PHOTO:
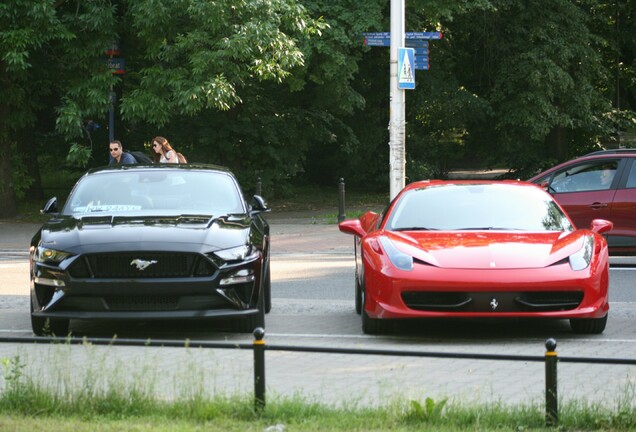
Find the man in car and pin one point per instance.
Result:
(607, 175)
(118, 156)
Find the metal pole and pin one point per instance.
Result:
(259, 186)
(551, 402)
(397, 121)
(259, 369)
(341, 200)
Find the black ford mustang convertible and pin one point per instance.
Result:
(152, 242)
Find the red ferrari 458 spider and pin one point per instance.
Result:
(479, 249)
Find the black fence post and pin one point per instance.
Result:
(259, 186)
(551, 403)
(341, 200)
(259, 369)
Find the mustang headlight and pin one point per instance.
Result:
(398, 258)
(240, 253)
(581, 259)
(51, 256)
(239, 277)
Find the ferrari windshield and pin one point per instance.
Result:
(155, 191)
(477, 207)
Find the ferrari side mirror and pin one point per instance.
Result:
(352, 226)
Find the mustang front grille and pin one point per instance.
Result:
(527, 301)
(140, 265)
(142, 303)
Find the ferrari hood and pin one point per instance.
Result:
(165, 233)
(488, 250)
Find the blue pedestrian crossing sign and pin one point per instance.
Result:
(406, 68)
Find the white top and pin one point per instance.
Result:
(170, 157)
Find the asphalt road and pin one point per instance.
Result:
(312, 283)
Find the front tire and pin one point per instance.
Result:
(267, 287)
(248, 323)
(48, 327)
(358, 282)
(358, 296)
(370, 325)
(588, 325)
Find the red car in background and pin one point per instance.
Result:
(478, 249)
(598, 185)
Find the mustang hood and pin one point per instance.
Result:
(488, 250)
(158, 233)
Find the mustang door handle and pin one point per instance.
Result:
(598, 205)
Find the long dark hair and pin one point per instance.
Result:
(165, 148)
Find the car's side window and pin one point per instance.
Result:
(589, 176)
(631, 179)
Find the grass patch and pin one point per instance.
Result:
(332, 217)
(106, 392)
(42, 410)
(29, 211)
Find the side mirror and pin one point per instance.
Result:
(259, 205)
(352, 226)
(50, 206)
(601, 226)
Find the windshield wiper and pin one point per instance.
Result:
(414, 229)
(489, 228)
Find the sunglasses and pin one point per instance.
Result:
(114, 149)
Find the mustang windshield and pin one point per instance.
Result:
(155, 191)
(478, 207)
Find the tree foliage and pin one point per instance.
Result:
(285, 90)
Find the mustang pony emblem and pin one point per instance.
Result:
(494, 304)
(142, 264)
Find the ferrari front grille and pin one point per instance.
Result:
(436, 301)
(549, 301)
(526, 301)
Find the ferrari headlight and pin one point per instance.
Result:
(46, 255)
(581, 259)
(239, 253)
(398, 258)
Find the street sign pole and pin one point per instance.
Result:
(397, 121)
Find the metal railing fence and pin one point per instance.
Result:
(259, 348)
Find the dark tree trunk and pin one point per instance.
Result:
(8, 207)
(29, 147)
(557, 143)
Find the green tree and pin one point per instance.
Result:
(186, 58)
(521, 82)
(48, 50)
